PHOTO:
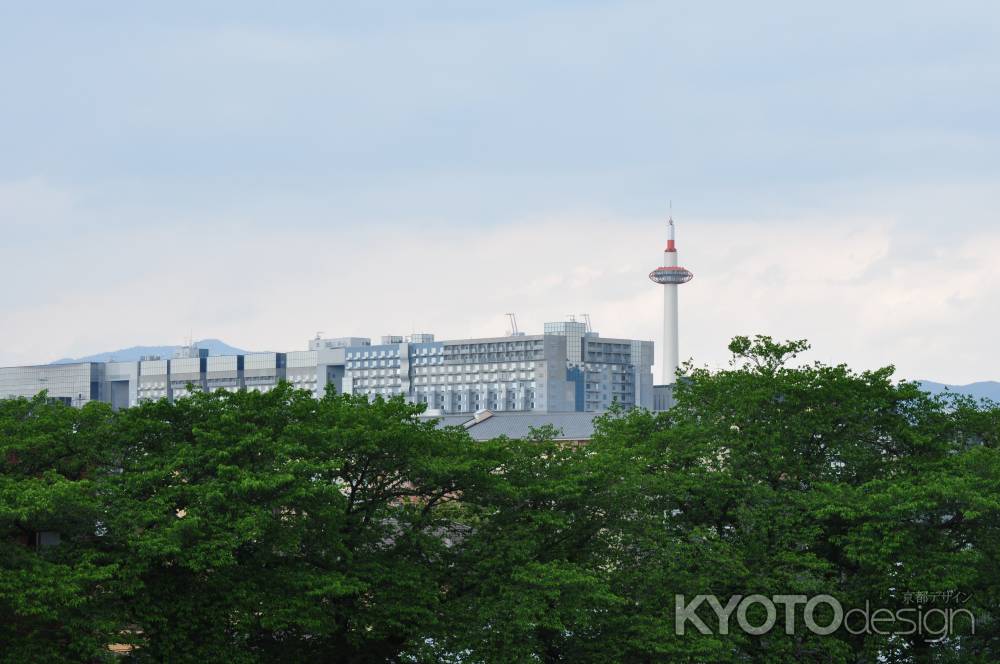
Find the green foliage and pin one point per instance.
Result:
(248, 527)
(54, 602)
(283, 527)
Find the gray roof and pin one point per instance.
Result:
(571, 426)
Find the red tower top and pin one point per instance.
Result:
(671, 274)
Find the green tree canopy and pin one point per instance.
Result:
(249, 527)
(55, 604)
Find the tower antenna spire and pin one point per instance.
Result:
(671, 246)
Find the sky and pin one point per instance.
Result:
(258, 172)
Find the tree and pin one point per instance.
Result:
(764, 479)
(808, 480)
(278, 527)
(529, 580)
(55, 567)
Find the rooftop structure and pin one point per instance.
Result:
(486, 425)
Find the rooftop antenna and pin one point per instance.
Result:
(586, 319)
(319, 335)
(513, 324)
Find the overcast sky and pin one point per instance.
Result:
(261, 171)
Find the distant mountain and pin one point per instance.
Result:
(214, 346)
(989, 389)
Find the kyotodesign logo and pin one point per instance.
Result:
(820, 614)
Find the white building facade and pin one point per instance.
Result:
(567, 368)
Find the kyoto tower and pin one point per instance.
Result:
(670, 276)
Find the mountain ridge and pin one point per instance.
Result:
(984, 389)
(132, 353)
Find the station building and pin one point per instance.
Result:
(567, 368)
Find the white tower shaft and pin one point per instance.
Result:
(670, 276)
(671, 346)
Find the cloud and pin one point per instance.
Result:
(851, 285)
(32, 204)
